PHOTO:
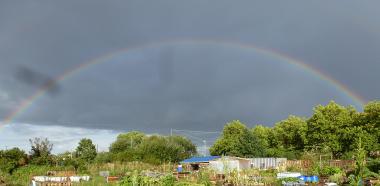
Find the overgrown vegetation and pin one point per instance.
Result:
(333, 131)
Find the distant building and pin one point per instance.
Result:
(268, 163)
(227, 164)
(195, 163)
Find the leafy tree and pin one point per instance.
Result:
(369, 123)
(40, 153)
(265, 135)
(291, 133)
(237, 140)
(187, 148)
(86, 150)
(159, 149)
(360, 161)
(12, 159)
(126, 141)
(103, 157)
(327, 126)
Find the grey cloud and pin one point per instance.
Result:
(36, 79)
(176, 86)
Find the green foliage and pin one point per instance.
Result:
(86, 150)
(12, 159)
(329, 171)
(103, 157)
(161, 149)
(288, 180)
(135, 179)
(337, 178)
(40, 153)
(265, 135)
(360, 159)
(204, 178)
(135, 146)
(291, 133)
(374, 165)
(327, 126)
(126, 141)
(237, 140)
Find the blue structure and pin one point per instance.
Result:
(202, 159)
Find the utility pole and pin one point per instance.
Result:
(204, 147)
(171, 132)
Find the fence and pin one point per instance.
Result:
(268, 163)
(343, 164)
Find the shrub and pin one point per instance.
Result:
(374, 165)
(337, 178)
(329, 171)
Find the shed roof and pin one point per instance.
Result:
(203, 159)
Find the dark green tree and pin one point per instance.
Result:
(160, 149)
(12, 159)
(369, 123)
(237, 140)
(291, 133)
(327, 126)
(126, 141)
(40, 153)
(265, 135)
(86, 150)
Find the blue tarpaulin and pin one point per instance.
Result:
(202, 159)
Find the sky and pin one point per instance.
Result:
(177, 64)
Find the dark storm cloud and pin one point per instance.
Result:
(36, 79)
(183, 86)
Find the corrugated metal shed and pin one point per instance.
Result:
(203, 159)
(267, 163)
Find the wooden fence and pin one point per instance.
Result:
(343, 164)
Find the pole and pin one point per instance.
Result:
(205, 147)
(171, 132)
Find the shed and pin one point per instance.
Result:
(229, 164)
(194, 163)
(268, 163)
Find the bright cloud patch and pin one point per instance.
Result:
(63, 138)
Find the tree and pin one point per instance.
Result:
(160, 149)
(86, 150)
(369, 122)
(360, 161)
(237, 140)
(264, 134)
(327, 126)
(291, 133)
(12, 159)
(126, 141)
(40, 153)
(187, 148)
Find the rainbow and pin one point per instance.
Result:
(24, 105)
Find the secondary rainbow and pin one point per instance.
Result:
(24, 105)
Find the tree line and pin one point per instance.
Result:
(131, 146)
(332, 128)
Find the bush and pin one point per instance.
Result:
(204, 178)
(103, 157)
(329, 171)
(374, 165)
(337, 178)
(135, 178)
